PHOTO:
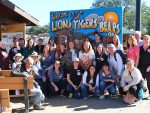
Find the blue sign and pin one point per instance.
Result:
(83, 23)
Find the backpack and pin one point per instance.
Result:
(122, 55)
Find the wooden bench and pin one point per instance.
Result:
(7, 73)
(15, 83)
(5, 105)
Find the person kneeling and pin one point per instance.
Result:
(90, 84)
(131, 83)
(107, 82)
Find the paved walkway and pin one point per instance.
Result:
(91, 105)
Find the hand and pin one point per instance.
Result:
(56, 89)
(125, 89)
(75, 87)
(148, 69)
(44, 79)
(93, 89)
(105, 91)
(90, 88)
(112, 81)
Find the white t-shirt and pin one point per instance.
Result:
(86, 56)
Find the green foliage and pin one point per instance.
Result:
(38, 29)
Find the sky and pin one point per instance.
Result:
(40, 9)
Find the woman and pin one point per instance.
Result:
(52, 45)
(56, 79)
(90, 83)
(144, 62)
(40, 77)
(30, 47)
(71, 53)
(74, 78)
(107, 82)
(47, 59)
(131, 80)
(132, 49)
(116, 42)
(4, 57)
(61, 56)
(86, 56)
(100, 57)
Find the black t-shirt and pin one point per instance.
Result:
(76, 75)
(100, 60)
(144, 61)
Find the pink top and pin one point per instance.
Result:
(132, 51)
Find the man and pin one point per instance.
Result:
(26, 70)
(137, 35)
(115, 61)
(97, 39)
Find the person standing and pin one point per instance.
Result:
(14, 50)
(144, 62)
(132, 49)
(4, 59)
(137, 35)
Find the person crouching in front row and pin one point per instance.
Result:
(90, 84)
(131, 81)
(107, 82)
(74, 78)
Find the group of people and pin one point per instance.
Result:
(93, 69)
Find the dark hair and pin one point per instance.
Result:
(129, 60)
(96, 32)
(15, 39)
(29, 41)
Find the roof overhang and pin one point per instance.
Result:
(11, 14)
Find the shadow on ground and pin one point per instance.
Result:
(75, 104)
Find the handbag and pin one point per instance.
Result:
(129, 99)
(144, 85)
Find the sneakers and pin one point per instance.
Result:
(35, 107)
(102, 97)
(31, 104)
(70, 95)
(114, 96)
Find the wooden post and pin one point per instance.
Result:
(26, 98)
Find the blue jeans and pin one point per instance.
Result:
(85, 91)
(111, 87)
(38, 96)
(70, 89)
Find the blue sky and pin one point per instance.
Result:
(40, 9)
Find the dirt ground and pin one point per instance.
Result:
(91, 105)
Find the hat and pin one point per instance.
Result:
(111, 45)
(35, 54)
(18, 54)
(76, 60)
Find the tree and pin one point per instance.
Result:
(38, 29)
(128, 9)
(128, 12)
